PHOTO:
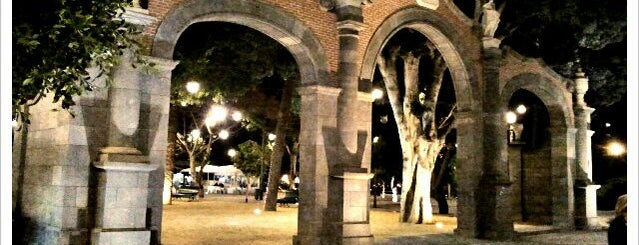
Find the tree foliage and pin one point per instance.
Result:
(251, 157)
(590, 34)
(54, 42)
(228, 60)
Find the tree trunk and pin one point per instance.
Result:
(170, 157)
(192, 167)
(274, 175)
(200, 181)
(417, 131)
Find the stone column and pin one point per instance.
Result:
(585, 190)
(348, 213)
(318, 104)
(495, 217)
(122, 170)
(515, 170)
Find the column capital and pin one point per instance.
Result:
(162, 63)
(138, 16)
(318, 89)
(125, 166)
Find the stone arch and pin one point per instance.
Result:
(442, 34)
(451, 42)
(561, 132)
(549, 93)
(273, 22)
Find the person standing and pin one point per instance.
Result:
(618, 231)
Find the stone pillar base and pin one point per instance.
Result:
(496, 217)
(304, 240)
(586, 207)
(122, 154)
(355, 240)
(108, 237)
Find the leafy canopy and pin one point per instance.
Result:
(590, 34)
(567, 34)
(250, 156)
(55, 41)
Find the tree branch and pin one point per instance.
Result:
(444, 122)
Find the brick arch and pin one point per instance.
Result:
(549, 92)
(273, 22)
(442, 33)
(553, 96)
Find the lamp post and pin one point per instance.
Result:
(511, 118)
(514, 128)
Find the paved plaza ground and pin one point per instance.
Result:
(226, 219)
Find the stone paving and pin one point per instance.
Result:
(226, 219)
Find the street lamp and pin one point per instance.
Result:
(511, 117)
(218, 113)
(375, 139)
(224, 134)
(521, 109)
(271, 136)
(615, 148)
(236, 116)
(232, 153)
(192, 87)
(195, 133)
(377, 93)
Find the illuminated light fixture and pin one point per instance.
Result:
(375, 139)
(377, 93)
(608, 125)
(521, 109)
(183, 103)
(271, 136)
(236, 116)
(192, 87)
(224, 134)
(195, 133)
(511, 117)
(218, 113)
(615, 148)
(210, 121)
(285, 179)
(232, 153)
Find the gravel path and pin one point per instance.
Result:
(226, 219)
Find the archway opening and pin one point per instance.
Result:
(530, 158)
(415, 150)
(240, 70)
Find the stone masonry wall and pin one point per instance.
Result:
(538, 200)
(56, 197)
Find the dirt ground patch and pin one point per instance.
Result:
(227, 219)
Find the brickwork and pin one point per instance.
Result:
(63, 194)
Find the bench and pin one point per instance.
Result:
(290, 197)
(188, 193)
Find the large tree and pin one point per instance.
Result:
(423, 117)
(55, 42)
